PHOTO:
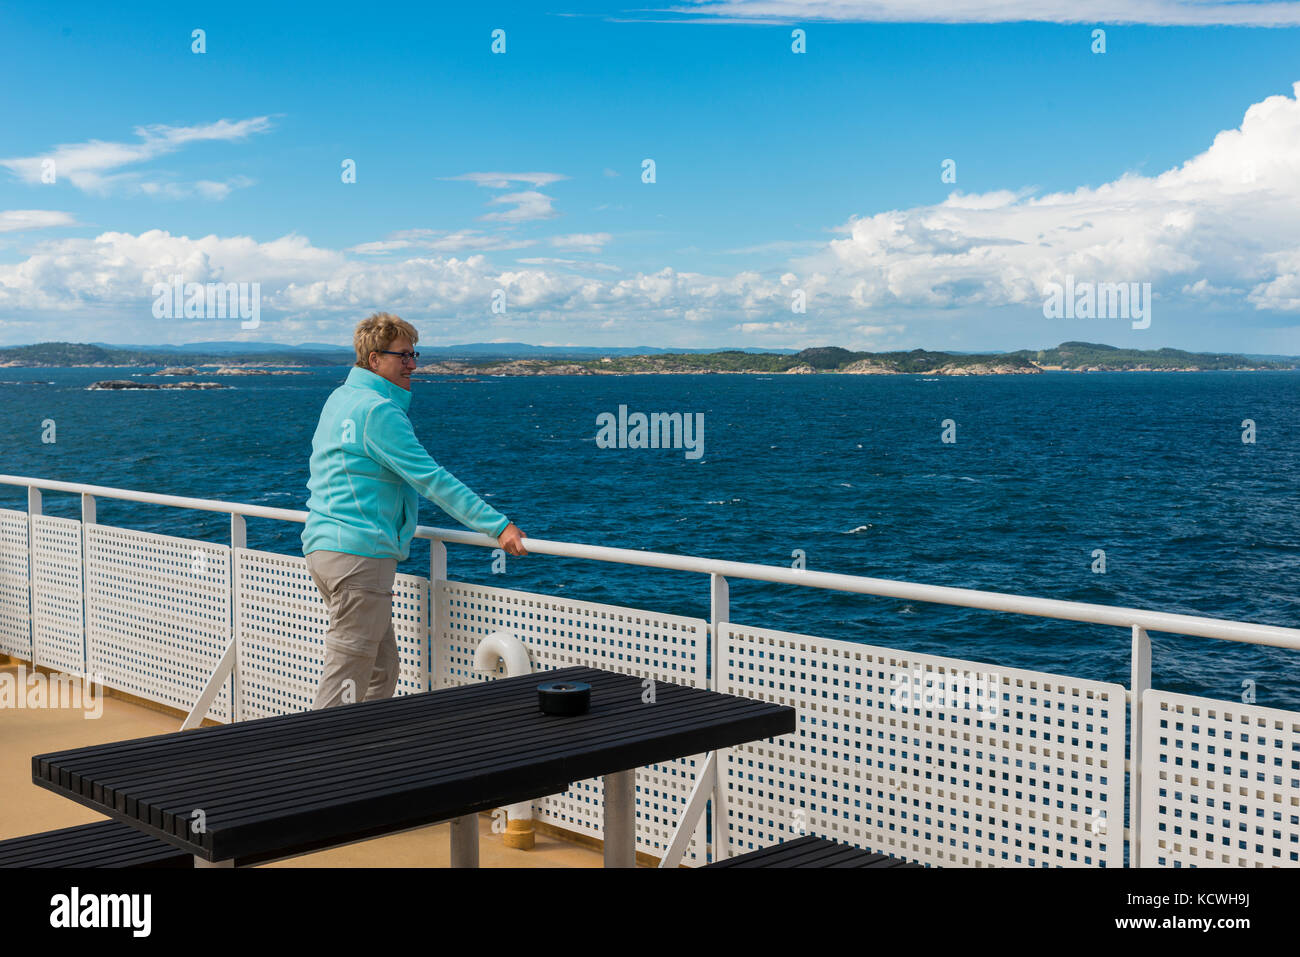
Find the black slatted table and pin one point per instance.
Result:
(276, 787)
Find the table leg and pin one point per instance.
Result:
(464, 841)
(620, 819)
(203, 862)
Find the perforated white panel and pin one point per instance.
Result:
(561, 633)
(158, 614)
(57, 638)
(282, 622)
(1002, 767)
(1220, 783)
(15, 620)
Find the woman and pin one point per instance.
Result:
(367, 468)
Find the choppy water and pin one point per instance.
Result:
(1150, 467)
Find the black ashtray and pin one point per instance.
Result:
(564, 697)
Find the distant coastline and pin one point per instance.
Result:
(1067, 357)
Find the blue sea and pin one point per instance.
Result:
(851, 470)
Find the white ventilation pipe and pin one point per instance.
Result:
(503, 647)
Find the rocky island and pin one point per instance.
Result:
(226, 370)
(132, 384)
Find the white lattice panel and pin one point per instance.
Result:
(561, 633)
(1220, 783)
(1003, 768)
(157, 614)
(15, 614)
(282, 622)
(57, 638)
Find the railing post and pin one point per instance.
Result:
(437, 576)
(33, 508)
(719, 612)
(238, 539)
(87, 518)
(1139, 683)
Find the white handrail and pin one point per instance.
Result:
(153, 498)
(1114, 615)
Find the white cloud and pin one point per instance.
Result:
(205, 188)
(525, 207)
(587, 242)
(1282, 291)
(778, 246)
(15, 220)
(1162, 12)
(90, 166)
(1226, 216)
(785, 328)
(503, 180)
(442, 241)
(573, 263)
(1204, 289)
(119, 269)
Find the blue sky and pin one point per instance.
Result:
(775, 172)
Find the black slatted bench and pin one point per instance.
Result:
(102, 844)
(812, 851)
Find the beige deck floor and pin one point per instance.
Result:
(28, 809)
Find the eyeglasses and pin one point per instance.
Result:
(406, 356)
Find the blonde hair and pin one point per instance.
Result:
(376, 332)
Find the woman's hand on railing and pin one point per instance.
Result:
(512, 540)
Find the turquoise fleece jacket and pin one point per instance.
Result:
(367, 467)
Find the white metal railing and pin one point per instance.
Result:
(709, 775)
(881, 587)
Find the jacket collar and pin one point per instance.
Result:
(365, 379)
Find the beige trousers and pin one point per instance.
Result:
(361, 661)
